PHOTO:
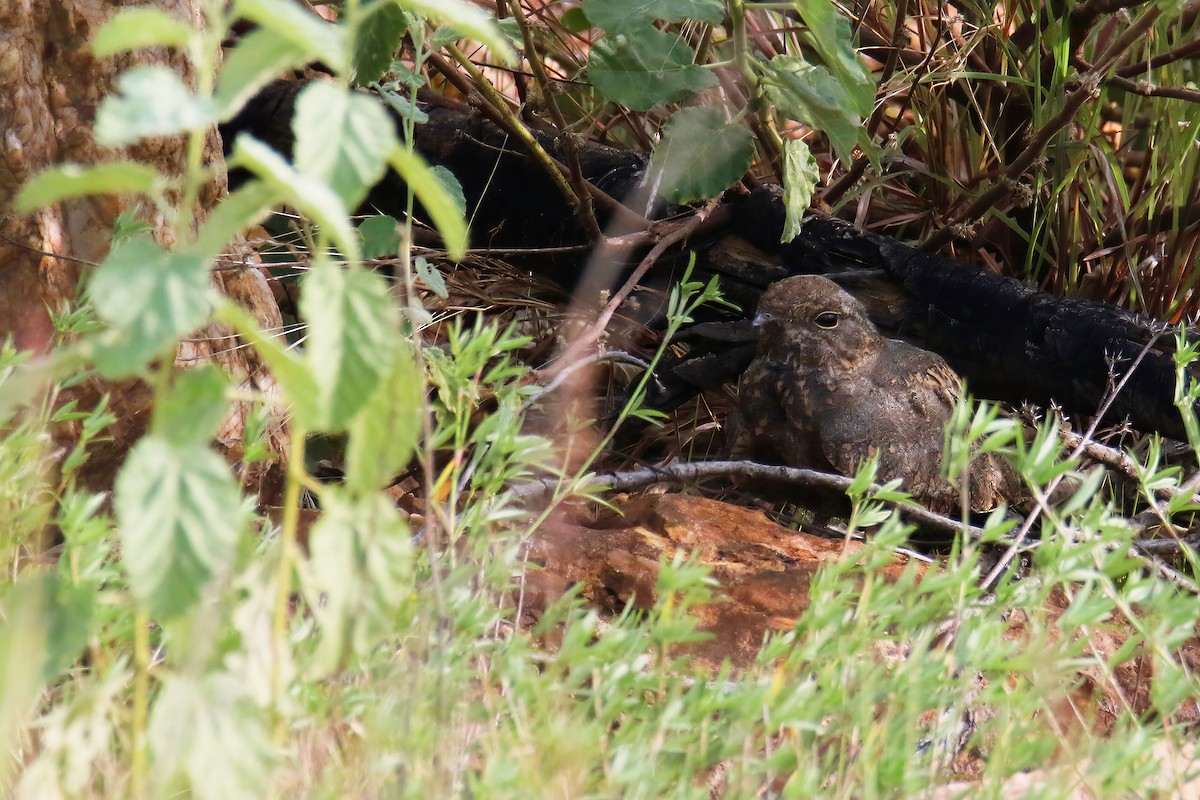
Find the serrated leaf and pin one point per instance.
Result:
(352, 341)
(643, 67)
(193, 410)
(143, 26)
(829, 33)
(469, 20)
(616, 16)
(358, 575)
(149, 298)
(379, 236)
(699, 156)
(385, 432)
(810, 94)
(205, 729)
(317, 38)
(430, 189)
(311, 196)
(75, 180)
(800, 177)
(257, 59)
(179, 514)
(342, 138)
(378, 31)
(452, 186)
(151, 101)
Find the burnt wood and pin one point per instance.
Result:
(1011, 342)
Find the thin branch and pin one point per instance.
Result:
(689, 471)
(671, 233)
(1089, 85)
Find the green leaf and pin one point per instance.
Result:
(575, 20)
(242, 209)
(311, 196)
(192, 412)
(358, 576)
(699, 156)
(205, 728)
(810, 94)
(403, 106)
(299, 386)
(142, 26)
(352, 341)
(151, 101)
(471, 21)
(256, 60)
(829, 33)
(800, 177)
(378, 31)
(179, 513)
(430, 277)
(385, 432)
(430, 189)
(24, 650)
(452, 186)
(343, 138)
(616, 16)
(75, 180)
(149, 298)
(310, 34)
(57, 610)
(379, 236)
(643, 67)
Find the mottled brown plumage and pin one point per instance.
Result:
(827, 391)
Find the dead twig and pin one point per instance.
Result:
(687, 471)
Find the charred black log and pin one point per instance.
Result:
(1010, 341)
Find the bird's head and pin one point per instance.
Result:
(812, 320)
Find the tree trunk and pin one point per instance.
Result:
(53, 87)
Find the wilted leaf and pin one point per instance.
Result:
(800, 177)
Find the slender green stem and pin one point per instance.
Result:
(294, 484)
(141, 704)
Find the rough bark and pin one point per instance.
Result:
(54, 85)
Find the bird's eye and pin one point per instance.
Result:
(827, 319)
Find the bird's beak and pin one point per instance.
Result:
(760, 319)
